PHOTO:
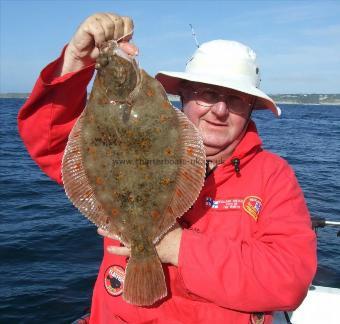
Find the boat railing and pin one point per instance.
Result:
(321, 222)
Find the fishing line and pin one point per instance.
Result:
(194, 35)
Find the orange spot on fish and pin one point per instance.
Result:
(114, 212)
(99, 181)
(87, 194)
(162, 118)
(165, 181)
(168, 151)
(190, 151)
(165, 105)
(155, 214)
(77, 167)
(144, 144)
(149, 92)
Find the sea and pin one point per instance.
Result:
(50, 253)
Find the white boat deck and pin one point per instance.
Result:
(321, 306)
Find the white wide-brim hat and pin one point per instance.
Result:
(224, 63)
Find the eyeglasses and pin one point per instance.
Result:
(207, 97)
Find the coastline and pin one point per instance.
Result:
(302, 99)
(308, 104)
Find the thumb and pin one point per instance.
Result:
(129, 48)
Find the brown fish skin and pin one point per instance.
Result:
(116, 118)
(132, 165)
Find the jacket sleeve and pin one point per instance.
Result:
(270, 270)
(47, 117)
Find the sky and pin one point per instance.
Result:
(297, 42)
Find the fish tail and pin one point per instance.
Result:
(144, 282)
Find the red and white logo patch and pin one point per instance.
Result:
(114, 280)
(252, 205)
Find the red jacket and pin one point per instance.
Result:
(247, 244)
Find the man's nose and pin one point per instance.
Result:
(220, 109)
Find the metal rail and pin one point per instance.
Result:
(321, 222)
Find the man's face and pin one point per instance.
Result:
(220, 114)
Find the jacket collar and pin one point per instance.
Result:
(250, 141)
(244, 152)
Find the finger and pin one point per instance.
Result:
(128, 28)
(96, 30)
(118, 24)
(95, 52)
(105, 233)
(108, 26)
(118, 250)
(102, 232)
(129, 48)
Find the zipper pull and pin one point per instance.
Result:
(236, 163)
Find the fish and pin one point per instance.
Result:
(132, 165)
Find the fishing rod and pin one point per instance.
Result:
(194, 35)
(321, 222)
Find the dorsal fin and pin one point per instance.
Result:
(190, 178)
(77, 186)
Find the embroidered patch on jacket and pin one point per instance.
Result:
(225, 204)
(114, 280)
(252, 205)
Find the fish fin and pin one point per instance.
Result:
(76, 184)
(144, 282)
(190, 177)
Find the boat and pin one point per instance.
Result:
(322, 304)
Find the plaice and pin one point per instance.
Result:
(132, 165)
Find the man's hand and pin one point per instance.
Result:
(167, 248)
(96, 29)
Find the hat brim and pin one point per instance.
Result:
(171, 82)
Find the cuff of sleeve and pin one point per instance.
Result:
(47, 75)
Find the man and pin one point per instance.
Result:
(245, 248)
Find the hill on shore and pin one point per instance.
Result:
(312, 98)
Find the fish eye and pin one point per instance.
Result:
(103, 60)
